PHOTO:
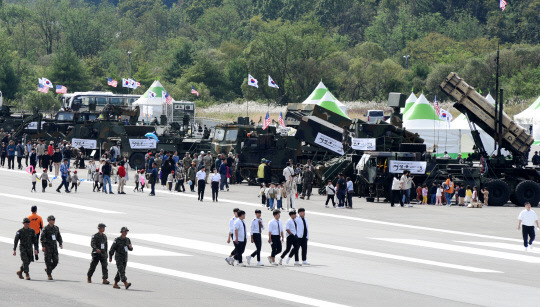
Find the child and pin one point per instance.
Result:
(44, 180)
(142, 179)
(485, 192)
(279, 196)
(424, 195)
(475, 203)
(114, 172)
(468, 195)
(170, 179)
(283, 194)
(180, 178)
(95, 178)
(137, 181)
(100, 180)
(271, 196)
(68, 178)
(34, 180)
(330, 193)
(419, 194)
(461, 195)
(262, 194)
(74, 181)
(439, 195)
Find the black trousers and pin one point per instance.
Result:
(276, 245)
(292, 246)
(302, 243)
(215, 190)
(180, 186)
(192, 186)
(11, 162)
(19, 162)
(328, 198)
(528, 235)
(258, 242)
(349, 198)
(239, 249)
(73, 185)
(33, 186)
(394, 196)
(201, 184)
(44, 185)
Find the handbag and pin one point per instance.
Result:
(50, 184)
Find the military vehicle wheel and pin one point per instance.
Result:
(527, 191)
(137, 160)
(499, 192)
(370, 199)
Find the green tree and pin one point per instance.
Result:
(47, 18)
(66, 69)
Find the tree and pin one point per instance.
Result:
(47, 19)
(182, 59)
(67, 69)
(9, 79)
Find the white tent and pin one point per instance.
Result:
(409, 103)
(531, 117)
(321, 94)
(152, 103)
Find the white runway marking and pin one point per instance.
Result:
(58, 203)
(137, 251)
(464, 249)
(274, 294)
(501, 245)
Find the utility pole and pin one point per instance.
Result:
(498, 119)
(129, 62)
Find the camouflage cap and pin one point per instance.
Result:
(51, 217)
(263, 160)
(124, 229)
(101, 225)
(26, 220)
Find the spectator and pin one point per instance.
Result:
(433, 193)
(331, 192)
(396, 191)
(223, 172)
(448, 188)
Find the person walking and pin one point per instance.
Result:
(230, 258)
(341, 188)
(34, 181)
(223, 171)
(153, 179)
(275, 236)
(257, 227)
(74, 181)
(57, 161)
(396, 191)
(121, 178)
(64, 170)
(49, 239)
(267, 172)
(350, 192)
(180, 178)
(307, 183)
(526, 220)
(201, 183)
(260, 171)
(106, 170)
(302, 234)
(448, 187)
(433, 193)
(11, 150)
(36, 223)
(44, 180)
(20, 154)
(330, 193)
(240, 237)
(119, 250)
(28, 242)
(191, 175)
(215, 181)
(292, 240)
(99, 254)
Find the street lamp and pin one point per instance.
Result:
(129, 54)
(406, 57)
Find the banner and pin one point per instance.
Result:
(87, 144)
(142, 143)
(33, 125)
(329, 143)
(363, 144)
(415, 167)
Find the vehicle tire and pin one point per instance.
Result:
(412, 147)
(370, 199)
(137, 160)
(499, 192)
(527, 191)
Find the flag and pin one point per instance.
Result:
(271, 82)
(60, 89)
(151, 94)
(437, 109)
(267, 121)
(252, 81)
(132, 84)
(281, 121)
(40, 81)
(112, 82)
(502, 5)
(137, 84)
(125, 82)
(446, 116)
(42, 88)
(168, 98)
(47, 82)
(194, 91)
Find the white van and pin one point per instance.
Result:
(374, 115)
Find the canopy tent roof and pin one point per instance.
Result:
(330, 105)
(409, 103)
(159, 98)
(320, 94)
(490, 98)
(528, 115)
(423, 115)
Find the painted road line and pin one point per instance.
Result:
(58, 203)
(233, 285)
(225, 250)
(501, 245)
(464, 249)
(137, 251)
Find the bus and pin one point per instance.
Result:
(89, 101)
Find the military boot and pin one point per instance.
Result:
(19, 273)
(116, 286)
(89, 280)
(127, 284)
(49, 276)
(27, 276)
(106, 282)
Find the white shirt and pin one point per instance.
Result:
(396, 184)
(275, 227)
(439, 192)
(216, 177)
(330, 190)
(239, 226)
(350, 186)
(300, 227)
(527, 217)
(255, 225)
(288, 172)
(291, 227)
(201, 175)
(231, 224)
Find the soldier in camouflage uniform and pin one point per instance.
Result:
(27, 236)
(307, 182)
(207, 162)
(49, 238)
(99, 254)
(120, 249)
(187, 161)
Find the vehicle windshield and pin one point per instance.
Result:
(376, 113)
(219, 134)
(231, 135)
(64, 116)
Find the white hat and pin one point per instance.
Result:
(202, 152)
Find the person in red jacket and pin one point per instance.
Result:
(122, 180)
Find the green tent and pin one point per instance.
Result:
(330, 105)
(322, 94)
(409, 103)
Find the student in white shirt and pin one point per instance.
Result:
(257, 227)
(240, 237)
(292, 240)
(230, 259)
(526, 219)
(216, 180)
(302, 234)
(275, 236)
(330, 193)
(396, 191)
(201, 183)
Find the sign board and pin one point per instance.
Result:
(363, 144)
(329, 143)
(415, 167)
(87, 144)
(33, 126)
(142, 143)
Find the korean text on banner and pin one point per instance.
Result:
(363, 144)
(142, 143)
(87, 144)
(415, 167)
(329, 143)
